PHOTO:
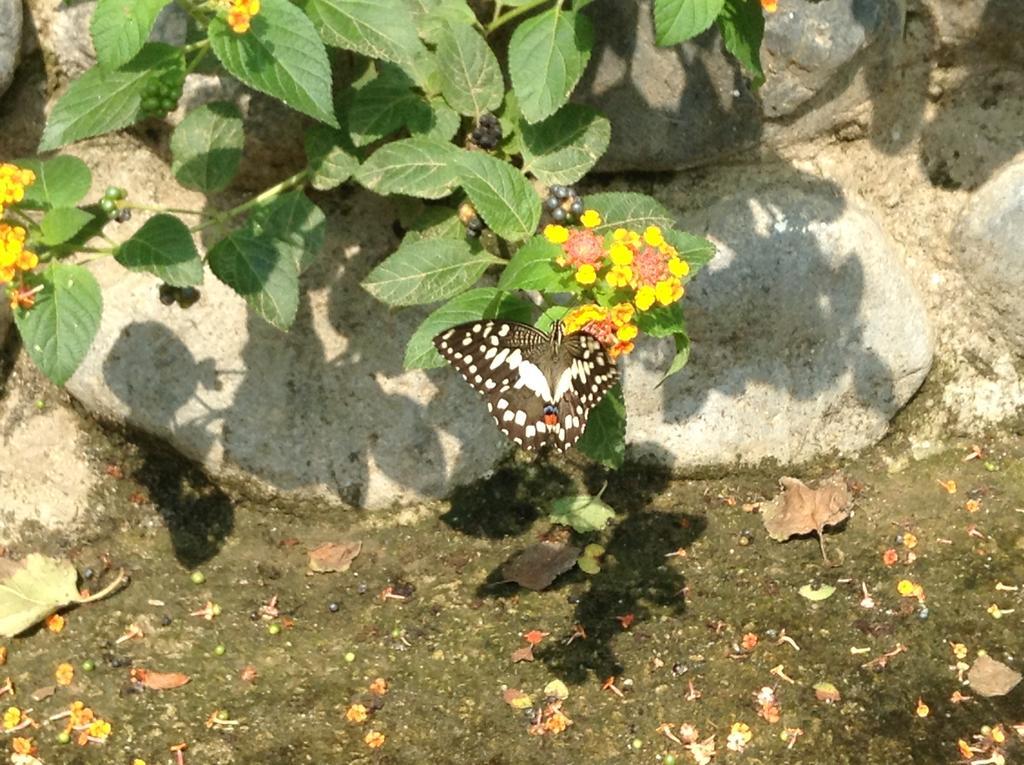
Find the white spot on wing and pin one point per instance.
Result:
(520, 418)
(531, 378)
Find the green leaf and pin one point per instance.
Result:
(59, 329)
(164, 248)
(102, 100)
(815, 594)
(121, 27)
(604, 440)
(562, 148)
(679, 360)
(583, 514)
(441, 123)
(546, 58)
(331, 157)
(62, 223)
(426, 271)
(628, 210)
(418, 167)
(385, 104)
(742, 26)
(206, 148)
(661, 321)
(60, 181)
(434, 17)
(695, 250)
(436, 222)
(281, 55)
(533, 267)
(471, 79)
(294, 225)
(589, 565)
(547, 319)
(381, 29)
(480, 303)
(501, 195)
(679, 20)
(263, 273)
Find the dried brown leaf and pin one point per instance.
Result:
(538, 565)
(989, 677)
(799, 509)
(333, 556)
(39, 694)
(159, 681)
(522, 654)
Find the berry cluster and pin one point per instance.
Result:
(109, 204)
(563, 204)
(161, 96)
(185, 297)
(487, 133)
(474, 223)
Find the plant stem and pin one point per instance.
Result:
(108, 590)
(162, 209)
(203, 46)
(286, 185)
(513, 14)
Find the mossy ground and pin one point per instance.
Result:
(446, 651)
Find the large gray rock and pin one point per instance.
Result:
(325, 409)
(988, 245)
(808, 336)
(10, 41)
(689, 105)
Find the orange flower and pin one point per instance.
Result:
(356, 713)
(80, 715)
(55, 623)
(533, 637)
(749, 641)
(890, 556)
(21, 745)
(770, 6)
(65, 674)
(379, 686)
(374, 739)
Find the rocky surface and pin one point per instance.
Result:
(989, 250)
(10, 40)
(808, 336)
(689, 105)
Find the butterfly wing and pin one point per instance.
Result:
(591, 374)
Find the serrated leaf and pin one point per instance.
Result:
(206, 147)
(533, 267)
(381, 29)
(501, 195)
(60, 181)
(623, 209)
(331, 157)
(385, 104)
(294, 225)
(742, 25)
(261, 272)
(440, 123)
(427, 271)
(682, 355)
(563, 148)
(581, 513)
(103, 99)
(164, 248)
(480, 303)
(546, 58)
(471, 80)
(121, 27)
(58, 330)
(436, 222)
(281, 55)
(661, 320)
(62, 223)
(418, 167)
(679, 20)
(604, 440)
(433, 17)
(695, 250)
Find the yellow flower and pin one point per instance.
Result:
(580, 317)
(65, 674)
(678, 267)
(619, 276)
(586, 274)
(668, 291)
(240, 13)
(620, 254)
(12, 716)
(356, 713)
(644, 297)
(28, 260)
(13, 181)
(623, 313)
(905, 588)
(653, 236)
(590, 219)
(374, 739)
(138, 761)
(627, 332)
(556, 234)
(99, 729)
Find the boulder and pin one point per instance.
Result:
(808, 336)
(10, 41)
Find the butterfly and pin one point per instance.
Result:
(540, 387)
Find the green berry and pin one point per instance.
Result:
(88, 665)
(216, 610)
(637, 743)
(198, 577)
(63, 737)
(108, 205)
(222, 714)
(150, 103)
(168, 104)
(668, 759)
(274, 629)
(220, 649)
(350, 657)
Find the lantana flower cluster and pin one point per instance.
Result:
(240, 13)
(14, 258)
(638, 270)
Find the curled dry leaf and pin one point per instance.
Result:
(538, 565)
(826, 692)
(799, 509)
(159, 681)
(989, 677)
(522, 654)
(517, 699)
(333, 556)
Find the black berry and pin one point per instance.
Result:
(558, 215)
(168, 294)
